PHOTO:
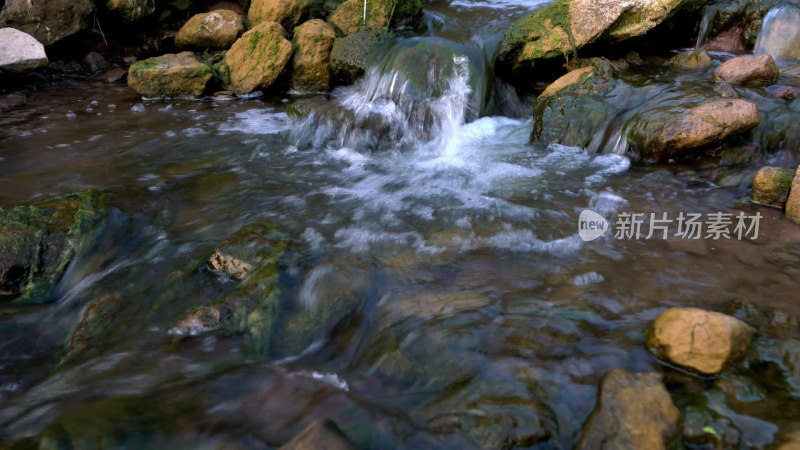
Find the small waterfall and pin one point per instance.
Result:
(422, 90)
(709, 14)
(780, 33)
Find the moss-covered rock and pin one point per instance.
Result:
(793, 202)
(661, 133)
(130, 11)
(288, 13)
(563, 27)
(38, 242)
(771, 186)
(47, 21)
(350, 55)
(349, 16)
(253, 307)
(691, 59)
(311, 67)
(257, 59)
(171, 75)
(216, 29)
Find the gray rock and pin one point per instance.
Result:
(20, 52)
(47, 21)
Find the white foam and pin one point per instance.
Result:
(257, 121)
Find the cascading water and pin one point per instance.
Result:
(780, 33)
(709, 14)
(422, 89)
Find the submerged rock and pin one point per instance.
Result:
(702, 341)
(350, 55)
(311, 68)
(691, 59)
(287, 13)
(388, 14)
(743, 69)
(664, 132)
(257, 59)
(253, 307)
(793, 202)
(20, 52)
(216, 29)
(171, 75)
(47, 21)
(38, 242)
(771, 186)
(564, 26)
(633, 410)
(320, 435)
(130, 11)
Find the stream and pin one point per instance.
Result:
(484, 321)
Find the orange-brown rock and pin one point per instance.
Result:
(633, 410)
(743, 69)
(257, 58)
(701, 341)
(313, 42)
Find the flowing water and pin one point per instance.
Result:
(485, 320)
(780, 33)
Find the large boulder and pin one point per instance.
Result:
(633, 410)
(564, 26)
(743, 69)
(793, 202)
(771, 186)
(216, 29)
(47, 21)
(663, 132)
(701, 341)
(350, 55)
(130, 11)
(311, 68)
(20, 52)
(38, 242)
(257, 59)
(171, 75)
(349, 16)
(288, 13)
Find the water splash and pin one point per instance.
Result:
(422, 90)
(780, 33)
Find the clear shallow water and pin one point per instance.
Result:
(485, 319)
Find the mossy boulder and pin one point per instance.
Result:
(350, 55)
(665, 132)
(47, 21)
(257, 59)
(288, 13)
(793, 202)
(171, 75)
(692, 59)
(562, 27)
(771, 186)
(311, 67)
(130, 11)
(216, 29)
(349, 16)
(39, 240)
